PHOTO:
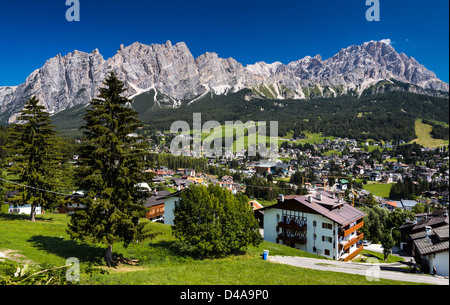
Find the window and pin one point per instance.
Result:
(327, 239)
(327, 252)
(327, 226)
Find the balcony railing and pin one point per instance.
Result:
(350, 256)
(293, 226)
(347, 244)
(352, 229)
(294, 239)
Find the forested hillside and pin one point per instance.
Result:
(389, 116)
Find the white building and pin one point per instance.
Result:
(317, 223)
(23, 209)
(19, 209)
(169, 206)
(430, 249)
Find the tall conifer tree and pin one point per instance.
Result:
(35, 158)
(111, 164)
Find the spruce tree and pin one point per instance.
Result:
(35, 158)
(111, 164)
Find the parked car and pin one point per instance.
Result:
(366, 243)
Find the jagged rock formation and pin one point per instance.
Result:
(64, 82)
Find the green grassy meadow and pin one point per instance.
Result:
(46, 242)
(424, 137)
(379, 189)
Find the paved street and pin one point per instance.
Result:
(371, 271)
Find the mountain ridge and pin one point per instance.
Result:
(66, 81)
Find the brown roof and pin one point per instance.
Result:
(157, 199)
(327, 206)
(438, 241)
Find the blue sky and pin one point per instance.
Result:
(33, 31)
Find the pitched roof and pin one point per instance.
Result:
(325, 205)
(436, 242)
(157, 199)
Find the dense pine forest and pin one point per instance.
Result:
(388, 116)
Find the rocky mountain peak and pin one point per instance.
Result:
(73, 79)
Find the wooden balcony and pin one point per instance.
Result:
(352, 229)
(301, 240)
(346, 245)
(352, 255)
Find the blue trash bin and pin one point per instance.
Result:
(265, 255)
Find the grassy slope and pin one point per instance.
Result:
(424, 137)
(47, 242)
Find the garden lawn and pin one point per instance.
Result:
(46, 242)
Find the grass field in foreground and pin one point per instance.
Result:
(46, 242)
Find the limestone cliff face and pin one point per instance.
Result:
(64, 82)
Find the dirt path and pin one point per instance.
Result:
(13, 255)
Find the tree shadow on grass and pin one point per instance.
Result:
(68, 248)
(9, 217)
(4, 216)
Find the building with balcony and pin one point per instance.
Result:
(318, 223)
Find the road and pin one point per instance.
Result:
(371, 271)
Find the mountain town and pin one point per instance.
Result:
(257, 152)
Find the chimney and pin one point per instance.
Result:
(319, 196)
(281, 199)
(310, 199)
(428, 231)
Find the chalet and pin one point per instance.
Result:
(317, 223)
(182, 183)
(227, 182)
(400, 167)
(378, 167)
(73, 203)
(17, 208)
(433, 219)
(431, 248)
(358, 169)
(375, 176)
(189, 172)
(155, 204)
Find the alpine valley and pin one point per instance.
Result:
(362, 83)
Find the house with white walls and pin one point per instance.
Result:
(19, 209)
(169, 206)
(318, 223)
(430, 249)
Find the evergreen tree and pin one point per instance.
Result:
(2, 186)
(35, 158)
(111, 164)
(387, 242)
